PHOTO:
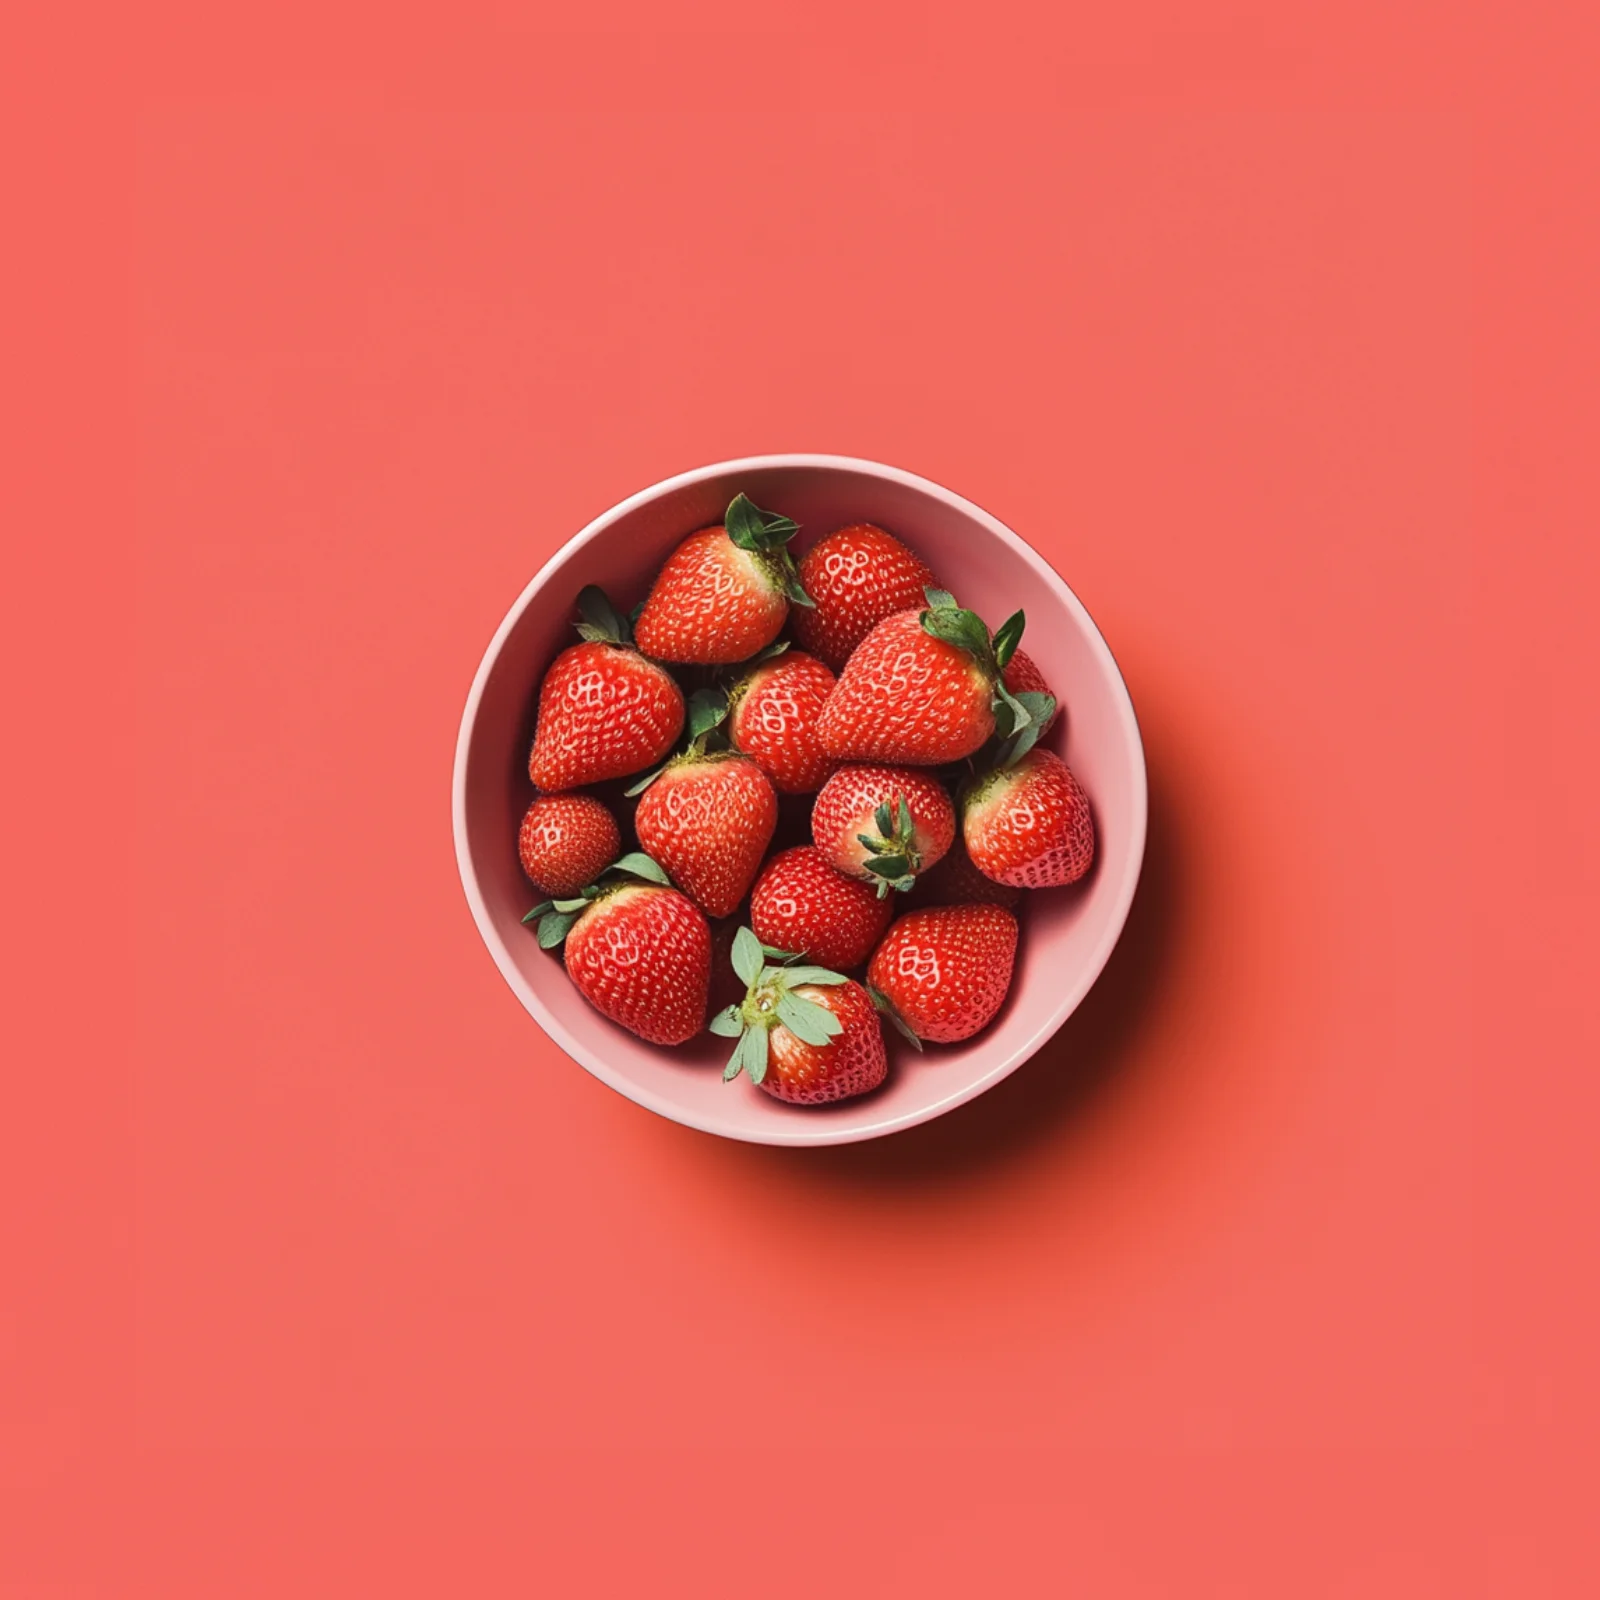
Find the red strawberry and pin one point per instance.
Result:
(604, 711)
(884, 824)
(954, 881)
(1022, 676)
(806, 1035)
(708, 820)
(802, 905)
(638, 952)
(772, 717)
(1029, 824)
(942, 973)
(566, 841)
(724, 592)
(924, 688)
(857, 577)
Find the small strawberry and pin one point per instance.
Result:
(637, 950)
(954, 881)
(1029, 824)
(941, 974)
(806, 1035)
(924, 687)
(772, 717)
(802, 905)
(884, 824)
(1023, 677)
(856, 577)
(604, 711)
(708, 819)
(565, 842)
(724, 592)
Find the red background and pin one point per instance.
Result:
(1274, 327)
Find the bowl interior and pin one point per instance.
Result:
(1067, 933)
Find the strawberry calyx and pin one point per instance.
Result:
(600, 621)
(767, 535)
(1014, 714)
(893, 858)
(770, 981)
(553, 919)
(887, 1009)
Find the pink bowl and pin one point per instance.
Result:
(1067, 933)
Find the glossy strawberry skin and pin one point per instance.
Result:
(946, 969)
(1022, 676)
(857, 577)
(955, 881)
(567, 841)
(800, 904)
(641, 956)
(604, 712)
(909, 698)
(845, 806)
(773, 715)
(708, 821)
(1030, 825)
(712, 603)
(853, 1062)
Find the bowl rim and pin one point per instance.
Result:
(805, 1131)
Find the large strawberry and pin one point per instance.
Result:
(724, 592)
(806, 1035)
(856, 577)
(637, 950)
(566, 841)
(1029, 824)
(941, 974)
(800, 904)
(883, 824)
(708, 819)
(604, 710)
(925, 687)
(954, 881)
(772, 716)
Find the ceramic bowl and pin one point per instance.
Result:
(1067, 934)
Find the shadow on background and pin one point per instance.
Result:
(1068, 1075)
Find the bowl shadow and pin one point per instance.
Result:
(1069, 1074)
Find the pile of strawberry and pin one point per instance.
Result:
(915, 728)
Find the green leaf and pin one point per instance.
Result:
(806, 1020)
(887, 866)
(1038, 703)
(601, 620)
(776, 648)
(576, 904)
(873, 845)
(728, 1023)
(886, 1008)
(1016, 747)
(941, 598)
(747, 960)
(884, 818)
(1007, 637)
(907, 828)
(796, 590)
(1021, 717)
(753, 529)
(553, 928)
(645, 782)
(753, 1053)
(963, 629)
(537, 912)
(641, 866)
(774, 954)
(819, 975)
(736, 1060)
(707, 707)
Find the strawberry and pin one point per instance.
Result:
(856, 577)
(942, 973)
(604, 711)
(1022, 677)
(637, 950)
(884, 824)
(1029, 824)
(954, 881)
(801, 904)
(772, 717)
(806, 1035)
(724, 592)
(566, 841)
(924, 687)
(708, 820)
